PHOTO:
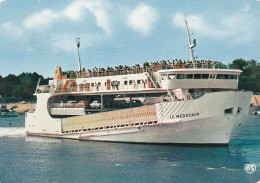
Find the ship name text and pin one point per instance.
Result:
(184, 115)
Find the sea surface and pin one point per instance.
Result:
(38, 159)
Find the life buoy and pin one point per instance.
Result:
(150, 84)
(188, 97)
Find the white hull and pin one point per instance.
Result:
(209, 126)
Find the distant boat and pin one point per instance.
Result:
(8, 114)
(4, 112)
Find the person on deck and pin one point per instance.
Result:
(134, 84)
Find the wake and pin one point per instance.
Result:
(12, 132)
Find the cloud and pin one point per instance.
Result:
(12, 30)
(142, 18)
(64, 42)
(99, 9)
(2, 1)
(237, 28)
(74, 11)
(41, 20)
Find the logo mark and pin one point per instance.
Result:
(250, 168)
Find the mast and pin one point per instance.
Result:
(78, 50)
(190, 45)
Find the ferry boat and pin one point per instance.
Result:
(169, 102)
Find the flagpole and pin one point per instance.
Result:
(78, 50)
(190, 45)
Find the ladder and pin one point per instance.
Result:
(153, 79)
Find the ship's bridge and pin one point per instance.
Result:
(199, 78)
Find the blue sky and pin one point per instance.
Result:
(38, 35)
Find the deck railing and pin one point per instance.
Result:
(139, 70)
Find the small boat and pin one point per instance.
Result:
(4, 112)
(8, 114)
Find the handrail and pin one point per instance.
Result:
(139, 70)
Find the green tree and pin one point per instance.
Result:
(250, 78)
(220, 65)
(238, 64)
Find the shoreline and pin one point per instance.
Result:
(254, 99)
(21, 108)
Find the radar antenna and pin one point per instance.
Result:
(78, 49)
(191, 46)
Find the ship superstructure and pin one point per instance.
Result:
(166, 102)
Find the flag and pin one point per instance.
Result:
(78, 42)
(194, 42)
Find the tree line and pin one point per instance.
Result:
(16, 88)
(250, 78)
(22, 87)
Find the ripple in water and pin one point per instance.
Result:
(12, 132)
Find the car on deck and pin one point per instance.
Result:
(95, 104)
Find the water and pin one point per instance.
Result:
(36, 159)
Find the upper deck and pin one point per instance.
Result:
(137, 69)
(162, 76)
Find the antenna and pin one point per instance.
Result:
(78, 49)
(190, 45)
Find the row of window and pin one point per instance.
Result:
(198, 76)
(114, 127)
(130, 82)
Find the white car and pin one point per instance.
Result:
(95, 104)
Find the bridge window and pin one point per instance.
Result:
(226, 76)
(130, 82)
(125, 82)
(205, 76)
(164, 76)
(172, 76)
(232, 76)
(212, 76)
(197, 76)
(189, 76)
(138, 81)
(223, 76)
(220, 76)
(180, 76)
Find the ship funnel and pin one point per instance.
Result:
(58, 73)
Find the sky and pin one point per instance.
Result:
(39, 35)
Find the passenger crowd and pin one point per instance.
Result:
(147, 67)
